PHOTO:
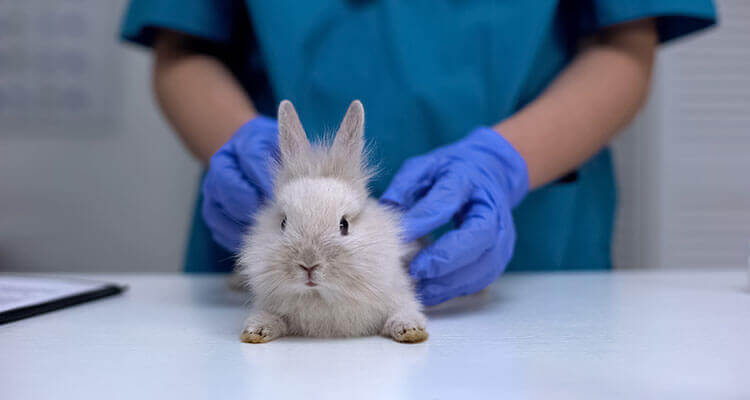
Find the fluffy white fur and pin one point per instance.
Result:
(361, 285)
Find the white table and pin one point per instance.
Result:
(667, 335)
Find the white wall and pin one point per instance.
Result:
(115, 193)
(684, 165)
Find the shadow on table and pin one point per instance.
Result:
(464, 305)
(220, 291)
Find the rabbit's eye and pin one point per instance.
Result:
(344, 226)
(283, 223)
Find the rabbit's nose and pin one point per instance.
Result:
(308, 269)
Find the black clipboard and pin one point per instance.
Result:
(97, 290)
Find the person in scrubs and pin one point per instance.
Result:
(490, 120)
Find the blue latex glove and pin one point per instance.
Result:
(476, 181)
(238, 180)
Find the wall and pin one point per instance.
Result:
(112, 194)
(683, 165)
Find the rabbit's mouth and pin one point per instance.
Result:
(311, 283)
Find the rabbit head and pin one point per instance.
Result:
(321, 235)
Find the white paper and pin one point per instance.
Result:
(22, 291)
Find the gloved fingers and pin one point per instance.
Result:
(255, 162)
(443, 200)
(225, 231)
(477, 275)
(257, 169)
(468, 280)
(477, 233)
(227, 186)
(411, 181)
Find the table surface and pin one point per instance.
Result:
(548, 335)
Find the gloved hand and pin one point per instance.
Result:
(238, 180)
(476, 181)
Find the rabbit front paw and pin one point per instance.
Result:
(262, 327)
(406, 328)
(258, 334)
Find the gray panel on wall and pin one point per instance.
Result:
(706, 180)
(82, 195)
(685, 164)
(58, 69)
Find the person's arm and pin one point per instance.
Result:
(198, 94)
(592, 99)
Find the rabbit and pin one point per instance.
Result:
(323, 258)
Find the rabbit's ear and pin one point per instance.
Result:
(292, 137)
(350, 136)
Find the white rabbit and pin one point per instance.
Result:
(323, 258)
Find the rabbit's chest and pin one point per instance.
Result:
(326, 320)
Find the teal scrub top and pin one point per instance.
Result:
(428, 72)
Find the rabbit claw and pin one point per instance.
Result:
(406, 329)
(262, 327)
(256, 335)
(411, 335)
